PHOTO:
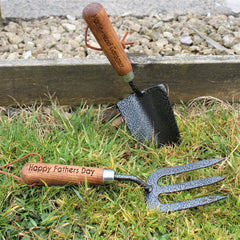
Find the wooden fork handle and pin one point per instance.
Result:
(58, 174)
(101, 27)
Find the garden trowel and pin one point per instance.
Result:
(148, 113)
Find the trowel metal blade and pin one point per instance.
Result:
(150, 116)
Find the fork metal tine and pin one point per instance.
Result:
(187, 185)
(155, 176)
(185, 204)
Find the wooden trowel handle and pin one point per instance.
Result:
(58, 174)
(101, 27)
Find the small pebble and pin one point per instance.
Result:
(186, 41)
(57, 36)
(73, 43)
(69, 27)
(27, 55)
(229, 41)
(71, 18)
(157, 25)
(13, 38)
(168, 17)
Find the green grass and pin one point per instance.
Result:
(209, 128)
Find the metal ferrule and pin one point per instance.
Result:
(108, 176)
(128, 77)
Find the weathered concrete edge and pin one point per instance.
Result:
(133, 59)
(44, 8)
(94, 80)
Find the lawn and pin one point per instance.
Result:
(209, 128)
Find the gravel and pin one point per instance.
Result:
(157, 35)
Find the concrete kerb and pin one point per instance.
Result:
(43, 8)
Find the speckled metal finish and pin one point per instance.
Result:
(155, 190)
(149, 116)
(186, 204)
